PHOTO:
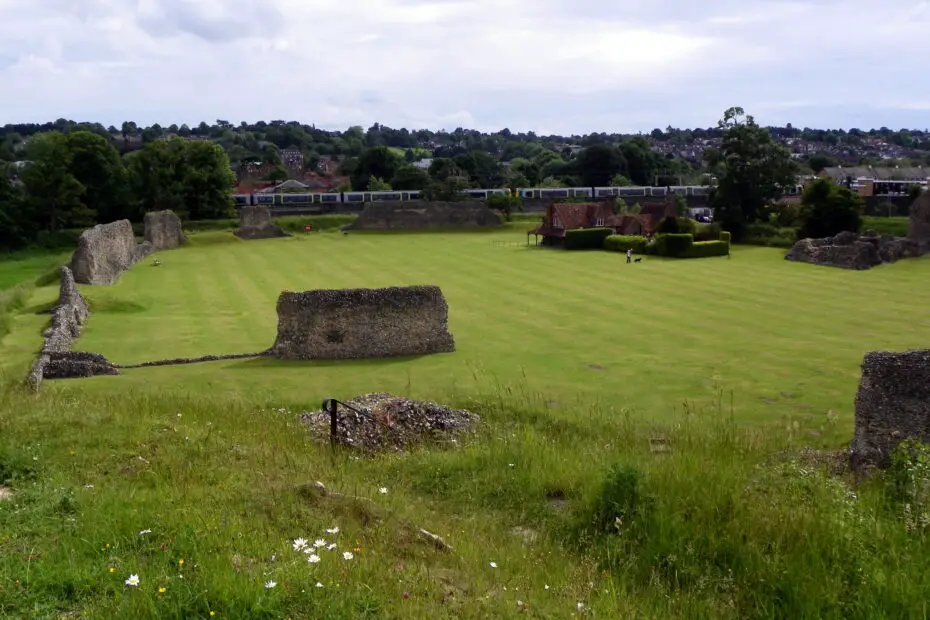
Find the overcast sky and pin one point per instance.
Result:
(550, 66)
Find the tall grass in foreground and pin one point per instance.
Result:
(12, 300)
(599, 513)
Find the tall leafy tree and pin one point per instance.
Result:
(828, 209)
(752, 170)
(96, 165)
(55, 196)
(598, 164)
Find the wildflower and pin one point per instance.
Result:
(313, 558)
(347, 555)
(270, 584)
(132, 581)
(546, 587)
(319, 585)
(299, 544)
(112, 570)
(333, 530)
(212, 613)
(319, 542)
(161, 590)
(492, 564)
(331, 547)
(181, 562)
(580, 606)
(519, 603)
(144, 532)
(88, 486)
(383, 490)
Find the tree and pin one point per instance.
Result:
(820, 161)
(620, 181)
(277, 173)
(96, 165)
(54, 196)
(752, 171)
(441, 168)
(15, 228)
(828, 209)
(410, 178)
(447, 190)
(598, 164)
(378, 161)
(376, 184)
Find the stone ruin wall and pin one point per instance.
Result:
(105, 251)
(892, 404)
(255, 223)
(411, 216)
(362, 323)
(68, 317)
(849, 250)
(163, 230)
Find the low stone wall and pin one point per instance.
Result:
(105, 251)
(412, 216)
(163, 230)
(68, 318)
(892, 404)
(255, 223)
(362, 323)
(850, 250)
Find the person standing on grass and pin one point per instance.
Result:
(629, 255)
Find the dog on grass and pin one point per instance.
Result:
(637, 260)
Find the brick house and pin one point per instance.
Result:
(564, 216)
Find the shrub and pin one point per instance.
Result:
(668, 226)
(828, 209)
(622, 243)
(706, 232)
(506, 204)
(586, 238)
(896, 226)
(673, 245)
(725, 236)
(617, 502)
(706, 249)
(686, 225)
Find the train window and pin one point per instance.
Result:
(264, 199)
(355, 197)
(414, 195)
(329, 198)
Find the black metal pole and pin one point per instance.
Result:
(331, 404)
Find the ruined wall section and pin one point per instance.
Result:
(105, 251)
(362, 323)
(423, 215)
(255, 223)
(892, 404)
(849, 250)
(163, 230)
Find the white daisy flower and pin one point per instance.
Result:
(299, 543)
(132, 581)
(319, 542)
(319, 585)
(347, 555)
(313, 558)
(492, 564)
(333, 530)
(331, 547)
(383, 490)
(270, 584)
(144, 532)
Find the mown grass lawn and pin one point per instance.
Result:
(574, 360)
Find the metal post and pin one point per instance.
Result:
(331, 404)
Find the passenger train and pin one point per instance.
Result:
(530, 193)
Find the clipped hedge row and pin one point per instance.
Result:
(622, 243)
(684, 246)
(586, 238)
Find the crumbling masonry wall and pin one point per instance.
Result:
(892, 404)
(410, 216)
(362, 323)
(68, 317)
(255, 223)
(163, 230)
(105, 251)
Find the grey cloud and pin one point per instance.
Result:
(237, 19)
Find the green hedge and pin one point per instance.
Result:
(706, 249)
(673, 245)
(586, 238)
(726, 236)
(622, 243)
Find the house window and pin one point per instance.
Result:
(556, 222)
(599, 221)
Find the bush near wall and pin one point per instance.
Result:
(622, 243)
(673, 245)
(706, 249)
(586, 238)
(726, 236)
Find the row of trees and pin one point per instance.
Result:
(262, 141)
(602, 165)
(78, 179)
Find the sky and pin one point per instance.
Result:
(549, 66)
